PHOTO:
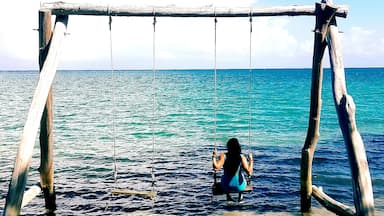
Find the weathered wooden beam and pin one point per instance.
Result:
(46, 124)
(25, 150)
(30, 194)
(346, 109)
(63, 8)
(331, 204)
(324, 14)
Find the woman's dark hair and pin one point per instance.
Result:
(233, 159)
(233, 147)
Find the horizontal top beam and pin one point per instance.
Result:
(63, 8)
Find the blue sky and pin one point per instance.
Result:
(278, 42)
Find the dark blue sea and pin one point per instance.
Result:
(169, 127)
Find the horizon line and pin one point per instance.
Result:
(184, 69)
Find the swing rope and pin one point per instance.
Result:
(113, 102)
(215, 84)
(154, 97)
(215, 93)
(113, 112)
(250, 89)
(250, 80)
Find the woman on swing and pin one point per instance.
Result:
(233, 180)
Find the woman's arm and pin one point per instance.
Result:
(217, 164)
(247, 166)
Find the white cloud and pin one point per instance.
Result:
(307, 46)
(88, 38)
(180, 42)
(18, 39)
(274, 37)
(360, 41)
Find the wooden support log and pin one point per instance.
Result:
(25, 150)
(62, 8)
(30, 194)
(345, 107)
(331, 204)
(46, 124)
(324, 14)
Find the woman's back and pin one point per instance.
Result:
(233, 179)
(232, 164)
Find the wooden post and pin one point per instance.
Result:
(323, 16)
(25, 150)
(46, 124)
(345, 107)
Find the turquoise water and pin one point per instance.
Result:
(184, 133)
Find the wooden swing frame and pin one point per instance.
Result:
(326, 34)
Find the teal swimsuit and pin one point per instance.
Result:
(234, 183)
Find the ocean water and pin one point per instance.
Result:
(169, 126)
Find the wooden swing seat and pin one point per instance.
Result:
(145, 194)
(218, 190)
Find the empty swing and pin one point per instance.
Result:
(217, 187)
(145, 194)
